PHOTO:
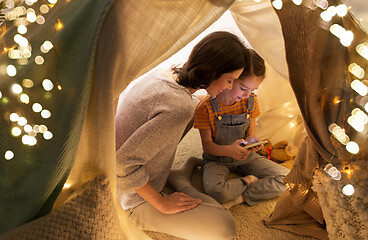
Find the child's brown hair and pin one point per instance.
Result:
(255, 65)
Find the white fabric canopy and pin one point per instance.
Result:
(281, 118)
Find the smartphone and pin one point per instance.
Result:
(254, 144)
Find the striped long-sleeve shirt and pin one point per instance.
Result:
(205, 117)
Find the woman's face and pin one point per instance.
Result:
(224, 81)
(242, 88)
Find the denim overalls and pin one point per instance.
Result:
(216, 169)
(228, 129)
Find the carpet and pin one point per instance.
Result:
(248, 219)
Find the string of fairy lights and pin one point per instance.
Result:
(23, 14)
(358, 119)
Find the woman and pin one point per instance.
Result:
(151, 119)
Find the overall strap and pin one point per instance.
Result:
(250, 103)
(215, 105)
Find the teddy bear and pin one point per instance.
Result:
(281, 152)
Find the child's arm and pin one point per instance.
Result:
(252, 128)
(234, 150)
(251, 135)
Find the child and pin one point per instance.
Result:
(224, 123)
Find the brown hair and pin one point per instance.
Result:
(255, 65)
(217, 53)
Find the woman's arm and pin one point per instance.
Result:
(174, 203)
(234, 150)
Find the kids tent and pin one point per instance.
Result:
(62, 73)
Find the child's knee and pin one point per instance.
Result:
(217, 191)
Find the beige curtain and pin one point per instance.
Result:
(135, 36)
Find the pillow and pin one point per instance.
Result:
(90, 214)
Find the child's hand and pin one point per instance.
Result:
(253, 139)
(238, 152)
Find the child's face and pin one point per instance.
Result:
(223, 82)
(242, 88)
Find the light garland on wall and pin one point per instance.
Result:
(24, 53)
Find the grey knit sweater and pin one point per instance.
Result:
(151, 118)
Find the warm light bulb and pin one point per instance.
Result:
(332, 10)
(47, 84)
(362, 49)
(297, 2)
(321, 3)
(9, 155)
(31, 17)
(337, 30)
(47, 135)
(348, 190)
(39, 60)
(27, 83)
(16, 88)
(356, 124)
(326, 16)
(11, 70)
(357, 70)
(346, 38)
(45, 113)
(352, 147)
(44, 8)
(24, 98)
(14, 54)
(59, 25)
(36, 107)
(40, 19)
(46, 46)
(22, 29)
(359, 87)
(16, 131)
(332, 171)
(22, 121)
(277, 4)
(27, 128)
(341, 10)
(14, 117)
(43, 128)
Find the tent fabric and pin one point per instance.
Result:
(95, 57)
(33, 178)
(281, 118)
(317, 72)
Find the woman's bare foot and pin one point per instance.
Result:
(180, 177)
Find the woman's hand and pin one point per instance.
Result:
(238, 152)
(177, 202)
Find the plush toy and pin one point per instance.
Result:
(280, 152)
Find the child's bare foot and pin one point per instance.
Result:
(250, 179)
